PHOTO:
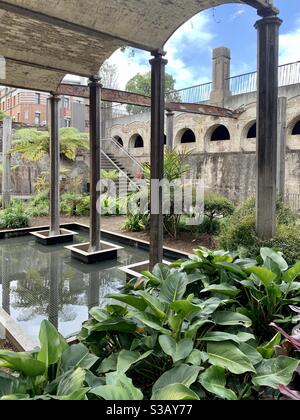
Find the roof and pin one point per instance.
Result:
(43, 40)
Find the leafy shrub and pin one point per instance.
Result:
(69, 203)
(137, 222)
(239, 232)
(215, 208)
(14, 217)
(83, 207)
(39, 205)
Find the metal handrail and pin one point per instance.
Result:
(123, 150)
(119, 169)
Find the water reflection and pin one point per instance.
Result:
(44, 283)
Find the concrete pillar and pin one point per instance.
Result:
(6, 176)
(95, 161)
(221, 74)
(54, 167)
(158, 64)
(281, 149)
(170, 129)
(267, 106)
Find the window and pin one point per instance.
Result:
(38, 98)
(137, 141)
(67, 122)
(252, 132)
(37, 118)
(296, 129)
(26, 115)
(221, 133)
(67, 103)
(188, 136)
(119, 140)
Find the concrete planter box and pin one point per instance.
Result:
(135, 270)
(43, 237)
(81, 252)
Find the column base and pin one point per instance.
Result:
(135, 270)
(81, 252)
(45, 239)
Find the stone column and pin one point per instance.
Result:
(267, 106)
(221, 75)
(54, 167)
(170, 129)
(158, 64)
(95, 161)
(281, 149)
(6, 176)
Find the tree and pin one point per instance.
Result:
(2, 115)
(109, 76)
(141, 84)
(32, 144)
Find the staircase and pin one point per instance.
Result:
(110, 163)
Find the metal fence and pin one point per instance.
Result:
(194, 94)
(288, 74)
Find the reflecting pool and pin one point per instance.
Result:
(38, 283)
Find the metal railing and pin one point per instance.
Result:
(193, 94)
(288, 74)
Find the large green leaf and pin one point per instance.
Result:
(292, 274)
(9, 385)
(274, 256)
(227, 318)
(174, 287)
(118, 388)
(214, 381)
(267, 349)
(233, 268)
(184, 308)
(52, 344)
(131, 300)
(71, 382)
(149, 320)
(228, 356)
(182, 374)
(161, 271)
(266, 277)
(217, 336)
(154, 303)
(193, 329)
(22, 362)
(116, 324)
(175, 392)
(224, 289)
(77, 356)
(196, 358)
(178, 351)
(109, 364)
(127, 359)
(254, 356)
(275, 372)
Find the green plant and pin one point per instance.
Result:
(55, 372)
(15, 217)
(33, 144)
(2, 115)
(216, 207)
(83, 207)
(239, 232)
(39, 205)
(69, 203)
(112, 175)
(137, 222)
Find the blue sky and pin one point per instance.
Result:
(232, 25)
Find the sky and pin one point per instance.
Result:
(189, 51)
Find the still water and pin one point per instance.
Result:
(38, 283)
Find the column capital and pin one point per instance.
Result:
(268, 20)
(170, 113)
(54, 97)
(158, 57)
(95, 80)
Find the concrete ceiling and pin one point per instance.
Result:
(43, 40)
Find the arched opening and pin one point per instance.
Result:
(296, 129)
(221, 133)
(119, 140)
(188, 136)
(252, 132)
(137, 141)
(165, 140)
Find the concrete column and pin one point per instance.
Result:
(54, 167)
(221, 74)
(95, 161)
(267, 106)
(170, 129)
(158, 64)
(281, 149)
(6, 176)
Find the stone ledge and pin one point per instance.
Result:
(81, 252)
(44, 238)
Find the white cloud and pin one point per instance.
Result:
(289, 46)
(237, 14)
